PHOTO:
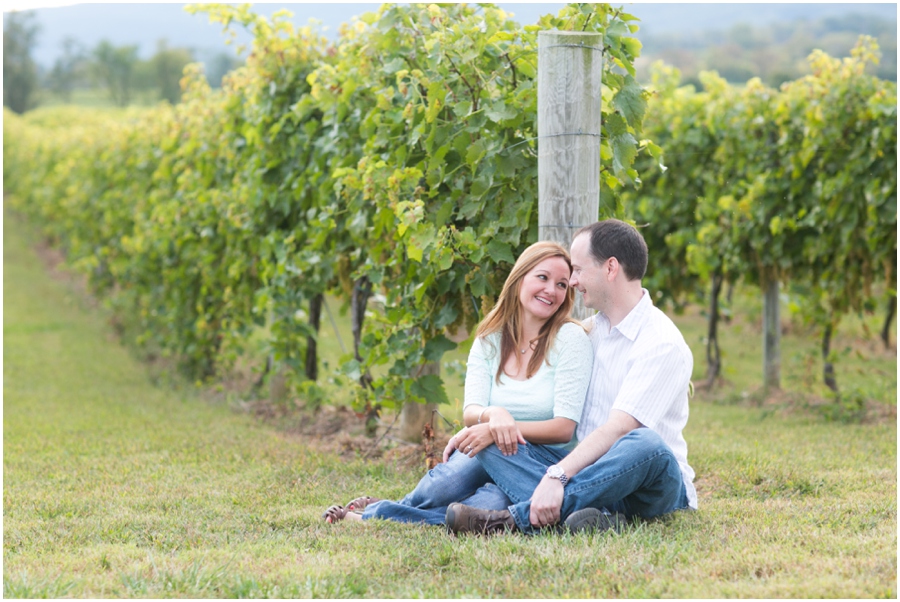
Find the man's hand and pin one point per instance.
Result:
(546, 502)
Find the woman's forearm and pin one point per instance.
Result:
(555, 430)
(473, 412)
(546, 432)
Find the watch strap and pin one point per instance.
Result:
(562, 477)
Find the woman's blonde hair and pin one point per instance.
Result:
(506, 316)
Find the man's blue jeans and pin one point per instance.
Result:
(459, 479)
(638, 476)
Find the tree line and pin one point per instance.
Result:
(117, 70)
(776, 53)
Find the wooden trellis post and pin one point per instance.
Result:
(771, 337)
(570, 68)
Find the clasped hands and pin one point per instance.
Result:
(500, 429)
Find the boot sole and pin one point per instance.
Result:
(591, 519)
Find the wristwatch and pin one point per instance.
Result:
(556, 472)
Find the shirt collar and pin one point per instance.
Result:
(631, 324)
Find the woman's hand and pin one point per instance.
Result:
(473, 439)
(452, 445)
(504, 431)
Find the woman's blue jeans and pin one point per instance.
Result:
(459, 479)
(638, 476)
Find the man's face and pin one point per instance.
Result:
(588, 276)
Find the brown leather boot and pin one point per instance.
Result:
(466, 519)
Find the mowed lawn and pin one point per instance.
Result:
(116, 487)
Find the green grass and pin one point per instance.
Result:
(117, 487)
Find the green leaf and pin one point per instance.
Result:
(462, 108)
(498, 111)
(446, 316)
(615, 31)
(443, 214)
(437, 347)
(633, 46)
(445, 261)
(393, 66)
(478, 284)
(500, 251)
(352, 369)
(624, 149)
(615, 125)
(508, 163)
(631, 102)
(430, 388)
(526, 68)
(475, 153)
(482, 184)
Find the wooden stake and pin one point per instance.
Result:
(771, 337)
(570, 68)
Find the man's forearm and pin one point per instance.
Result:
(598, 443)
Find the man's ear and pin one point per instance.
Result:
(613, 268)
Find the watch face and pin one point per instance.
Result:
(554, 471)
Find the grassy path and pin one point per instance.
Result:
(114, 487)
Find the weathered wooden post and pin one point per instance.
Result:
(771, 337)
(415, 416)
(570, 69)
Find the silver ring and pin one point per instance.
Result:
(468, 449)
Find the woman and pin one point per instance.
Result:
(526, 380)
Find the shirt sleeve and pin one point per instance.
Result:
(656, 382)
(479, 375)
(574, 362)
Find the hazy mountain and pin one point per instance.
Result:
(145, 24)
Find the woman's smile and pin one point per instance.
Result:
(544, 288)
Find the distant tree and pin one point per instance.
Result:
(67, 69)
(20, 74)
(747, 37)
(143, 80)
(775, 53)
(218, 66)
(114, 68)
(731, 62)
(168, 65)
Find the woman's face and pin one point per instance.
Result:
(544, 288)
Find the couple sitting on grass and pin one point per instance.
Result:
(568, 425)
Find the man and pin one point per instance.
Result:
(631, 458)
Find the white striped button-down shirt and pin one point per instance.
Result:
(642, 366)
